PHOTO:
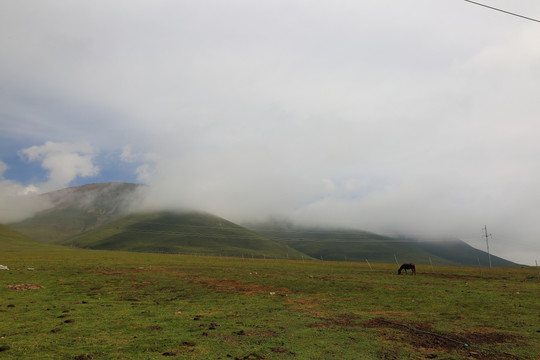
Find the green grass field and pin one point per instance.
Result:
(89, 304)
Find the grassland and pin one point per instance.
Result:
(90, 304)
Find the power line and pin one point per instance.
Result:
(503, 11)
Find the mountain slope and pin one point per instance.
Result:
(462, 253)
(353, 245)
(96, 216)
(181, 233)
(11, 240)
(78, 209)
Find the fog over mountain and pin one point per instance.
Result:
(413, 118)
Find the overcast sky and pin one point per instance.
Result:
(415, 117)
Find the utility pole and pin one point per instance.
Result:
(487, 244)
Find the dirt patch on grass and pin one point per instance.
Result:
(86, 356)
(453, 276)
(423, 337)
(262, 333)
(124, 271)
(339, 320)
(488, 337)
(389, 313)
(229, 285)
(24, 287)
(142, 284)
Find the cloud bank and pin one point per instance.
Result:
(16, 201)
(401, 118)
(63, 162)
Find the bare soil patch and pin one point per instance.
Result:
(85, 356)
(340, 320)
(263, 333)
(20, 287)
(453, 276)
(229, 285)
(423, 337)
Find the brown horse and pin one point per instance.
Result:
(407, 267)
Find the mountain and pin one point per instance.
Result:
(354, 245)
(188, 232)
(76, 210)
(349, 245)
(99, 216)
(11, 240)
(462, 253)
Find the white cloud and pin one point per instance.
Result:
(417, 116)
(127, 155)
(64, 161)
(144, 173)
(16, 201)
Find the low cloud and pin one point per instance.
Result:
(374, 115)
(17, 202)
(63, 161)
(127, 154)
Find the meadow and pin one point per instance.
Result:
(61, 303)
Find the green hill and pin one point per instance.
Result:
(462, 253)
(11, 241)
(79, 209)
(354, 245)
(97, 216)
(192, 233)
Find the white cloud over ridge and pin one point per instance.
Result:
(416, 117)
(17, 201)
(63, 161)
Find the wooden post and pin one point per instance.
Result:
(480, 266)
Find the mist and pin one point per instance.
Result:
(18, 202)
(414, 119)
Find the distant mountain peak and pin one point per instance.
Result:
(104, 198)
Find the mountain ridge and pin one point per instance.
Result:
(100, 216)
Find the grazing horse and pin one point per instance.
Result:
(407, 267)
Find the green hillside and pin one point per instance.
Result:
(353, 245)
(78, 209)
(13, 241)
(191, 233)
(462, 253)
(96, 216)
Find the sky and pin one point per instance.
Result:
(415, 118)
